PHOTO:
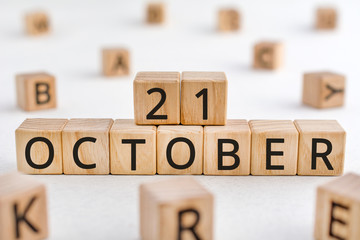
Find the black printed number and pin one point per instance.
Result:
(151, 114)
(204, 93)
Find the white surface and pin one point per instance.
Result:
(106, 207)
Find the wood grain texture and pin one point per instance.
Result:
(237, 130)
(144, 102)
(89, 152)
(50, 129)
(261, 130)
(228, 20)
(192, 107)
(161, 202)
(326, 18)
(268, 55)
(121, 153)
(37, 23)
(155, 13)
(22, 192)
(116, 62)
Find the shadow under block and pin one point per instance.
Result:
(268, 55)
(227, 149)
(37, 23)
(203, 98)
(177, 208)
(39, 146)
(35, 91)
(321, 147)
(86, 146)
(180, 149)
(228, 20)
(155, 13)
(23, 208)
(157, 98)
(116, 62)
(326, 18)
(323, 89)
(132, 148)
(274, 147)
(338, 209)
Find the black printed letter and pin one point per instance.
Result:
(188, 228)
(270, 153)
(133, 143)
(76, 151)
(231, 154)
(28, 156)
(192, 153)
(315, 154)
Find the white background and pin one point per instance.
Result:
(106, 207)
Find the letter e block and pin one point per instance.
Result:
(326, 18)
(228, 20)
(268, 55)
(116, 62)
(155, 13)
(177, 208)
(37, 23)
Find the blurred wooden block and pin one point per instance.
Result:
(321, 147)
(155, 13)
(274, 147)
(39, 146)
(157, 98)
(227, 148)
(203, 98)
(37, 23)
(176, 208)
(180, 149)
(268, 55)
(337, 209)
(326, 18)
(23, 208)
(132, 148)
(116, 62)
(228, 20)
(86, 146)
(35, 91)
(323, 89)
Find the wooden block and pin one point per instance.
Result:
(326, 18)
(116, 62)
(37, 23)
(338, 209)
(23, 208)
(274, 147)
(39, 146)
(132, 148)
(268, 55)
(228, 20)
(157, 98)
(180, 149)
(227, 148)
(177, 208)
(155, 13)
(203, 98)
(35, 91)
(321, 147)
(323, 89)
(86, 146)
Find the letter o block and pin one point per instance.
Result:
(35, 91)
(177, 208)
(39, 146)
(268, 55)
(116, 62)
(86, 146)
(37, 23)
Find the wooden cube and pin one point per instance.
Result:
(132, 148)
(338, 209)
(35, 91)
(228, 20)
(155, 13)
(323, 89)
(326, 18)
(227, 148)
(177, 208)
(268, 55)
(157, 98)
(86, 146)
(37, 23)
(23, 208)
(180, 149)
(321, 147)
(203, 98)
(116, 62)
(39, 146)
(274, 147)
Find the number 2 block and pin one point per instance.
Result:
(203, 98)
(157, 98)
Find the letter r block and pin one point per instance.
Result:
(177, 208)
(35, 91)
(23, 208)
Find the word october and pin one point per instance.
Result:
(257, 147)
